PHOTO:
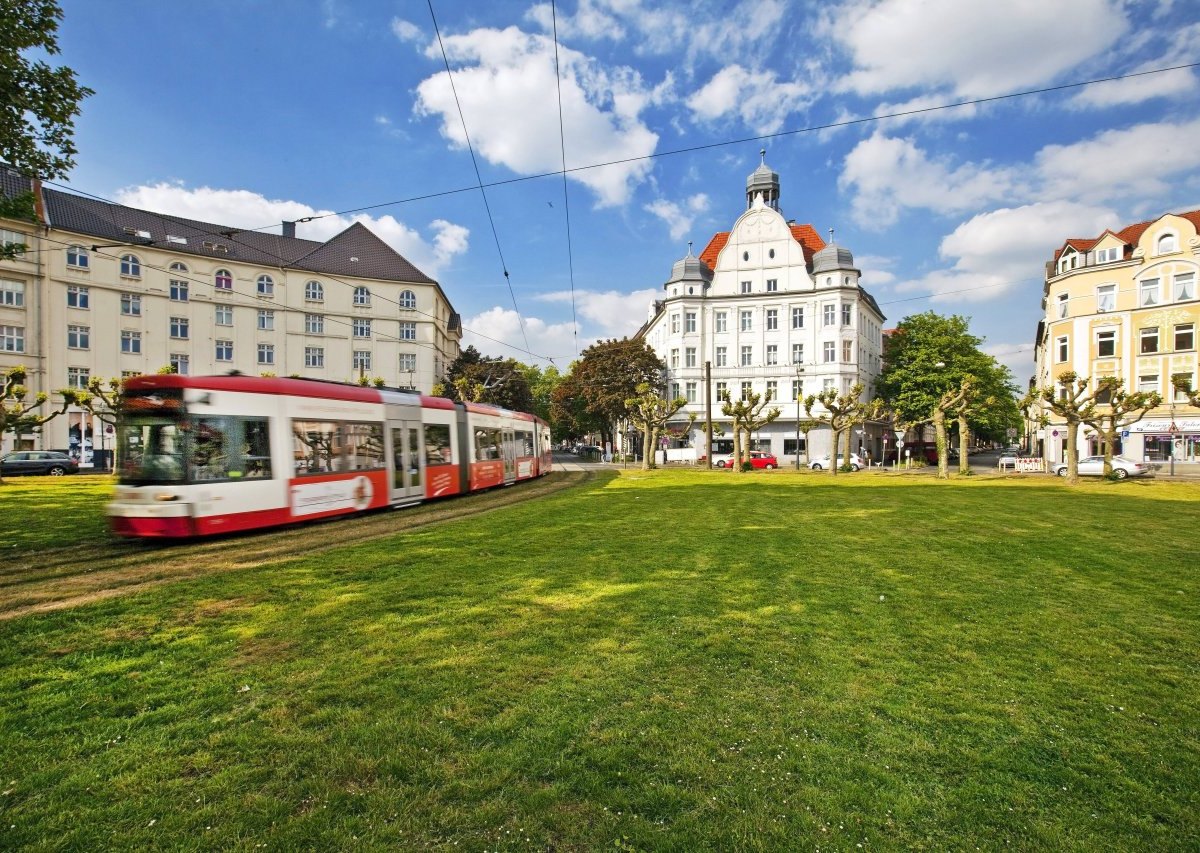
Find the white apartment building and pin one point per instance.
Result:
(1126, 304)
(772, 309)
(112, 291)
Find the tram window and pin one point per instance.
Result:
(487, 444)
(256, 449)
(315, 446)
(210, 449)
(437, 445)
(524, 442)
(226, 448)
(364, 446)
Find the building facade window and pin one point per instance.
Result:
(266, 286)
(131, 342)
(78, 377)
(721, 320)
(798, 317)
(1148, 293)
(408, 362)
(266, 320)
(772, 285)
(131, 267)
(266, 354)
(690, 321)
(746, 320)
(314, 356)
(314, 324)
(1148, 382)
(772, 319)
(362, 297)
(1181, 383)
(1107, 256)
(1149, 339)
(361, 327)
(830, 352)
(847, 351)
(77, 257)
(408, 299)
(745, 287)
(223, 280)
(722, 357)
(1185, 336)
(12, 339)
(847, 314)
(675, 358)
(223, 350)
(772, 354)
(1061, 349)
(181, 363)
(772, 389)
(179, 290)
(797, 353)
(223, 315)
(78, 296)
(1168, 243)
(690, 391)
(12, 293)
(408, 331)
(747, 356)
(1106, 343)
(179, 327)
(674, 324)
(361, 360)
(689, 357)
(797, 389)
(1063, 300)
(131, 304)
(747, 388)
(1185, 286)
(79, 337)
(829, 314)
(314, 291)
(1106, 297)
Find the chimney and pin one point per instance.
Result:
(289, 229)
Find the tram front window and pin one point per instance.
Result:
(151, 451)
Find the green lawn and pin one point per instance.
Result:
(666, 660)
(52, 512)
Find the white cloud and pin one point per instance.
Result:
(405, 30)
(758, 98)
(889, 174)
(245, 209)
(610, 313)
(995, 253)
(1016, 357)
(593, 19)
(973, 48)
(876, 269)
(679, 218)
(925, 108)
(503, 92)
(1180, 50)
(496, 332)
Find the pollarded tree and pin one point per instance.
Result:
(650, 413)
(37, 119)
(1070, 399)
(842, 411)
(750, 413)
(16, 409)
(1116, 409)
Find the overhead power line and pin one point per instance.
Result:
(562, 144)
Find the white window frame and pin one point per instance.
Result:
(131, 342)
(746, 321)
(1150, 333)
(772, 354)
(747, 356)
(79, 297)
(798, 317)
(314, 324)
(265, 286)
(1106, 297)
(131, 266)
(314, 356)
(1062, 349)
(408, 330)
(1149, 293)
(1183, 286)
(266, 354)
(721, 321)
(223, 350)
(722, 357)
(1106, 336)
(222, 315)
(266, 320)
(829, 352)
(362, 297)
(314, 291)
(180, 328)
(1188, 329)
(78, 257)
(79, 337)
(772, 319)
(12, 293)
(222, 280)
(12, 339)
(797, 353)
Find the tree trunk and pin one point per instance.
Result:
(964, 435)
(833, 450)
(849, 438)
(1110, 439)
(648, 449)
(737, 449)
(939, 431)
(1072, 453)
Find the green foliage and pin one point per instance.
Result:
(19, 207)
(37, 121)
(650, 413)
(476, 378)
(592, 396)
(750, 413)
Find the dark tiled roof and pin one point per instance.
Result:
(13, 183)
(113, 223)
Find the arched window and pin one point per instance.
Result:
(1167, 243)
(362, 296)
(266, 285)
(178, 267)
(408, 299)
(131, 266)
(223, 280)
(314, 292)
(77, 256)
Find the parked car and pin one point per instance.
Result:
(823, 462)
(49, 462)
(758, 459)
(1008, 459)
(1093, 466)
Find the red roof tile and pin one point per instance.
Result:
(808, 238)
(714, 247)
(1129, 235)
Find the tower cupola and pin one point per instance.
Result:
(763, 181)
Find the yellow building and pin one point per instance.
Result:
(110, 291)
(1125, 304)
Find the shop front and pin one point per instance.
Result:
(1163, 440)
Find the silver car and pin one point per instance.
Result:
(1093, 466)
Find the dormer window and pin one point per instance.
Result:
(1168, 243)
(1107, 256)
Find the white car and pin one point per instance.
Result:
(1093, 466)
(822, 462)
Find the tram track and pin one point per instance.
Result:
(69, 577)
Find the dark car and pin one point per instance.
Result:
(38, 462)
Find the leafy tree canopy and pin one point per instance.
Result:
(39, 104)
(609, 374)
(477, 378)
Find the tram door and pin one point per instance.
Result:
(408, 464)
(510, 455)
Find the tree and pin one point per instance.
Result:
(842, 412)
(541, 387)
(749, 414)
(477, 378)
(650, 413)
(37, 118)
(608, 374)
(928, 362)
(1116, 409)
(16, 410)
(1183, 384)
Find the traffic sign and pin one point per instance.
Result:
(1172, 427)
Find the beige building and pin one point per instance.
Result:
(1124, 304)
(106, 290)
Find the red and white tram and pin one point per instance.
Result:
(199, 455)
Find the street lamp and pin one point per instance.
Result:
(799, 394)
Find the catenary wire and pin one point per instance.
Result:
(562, 144)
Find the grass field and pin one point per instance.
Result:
(671, 660)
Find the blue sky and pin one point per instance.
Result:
(247, 113)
